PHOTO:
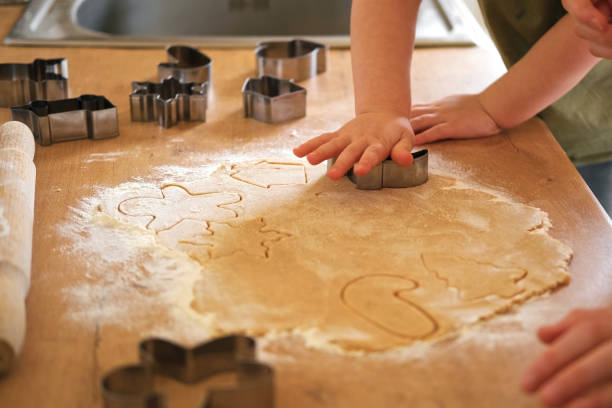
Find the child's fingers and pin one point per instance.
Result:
(418, 110)
(373, 155)
(401, 151)
(438, 132)
(598, 397)
(328, 150)
(585, 12)
(424, 121)
(594, 36)
(569, 347)
(601, 51)
(305, 148)
(346, 160)
(584, 373)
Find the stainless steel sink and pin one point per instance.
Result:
(213, 23)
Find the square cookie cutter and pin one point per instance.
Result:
(186, 64)
(296, 59)
(133, 386)
(88, 116)
(390, 174)
(168, 101)
(39, 80)
(273, 100)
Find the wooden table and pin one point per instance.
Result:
(63, 361)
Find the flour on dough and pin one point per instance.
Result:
(284, 249)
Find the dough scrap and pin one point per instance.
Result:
(284, 249)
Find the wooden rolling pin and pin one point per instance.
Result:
(17, 180)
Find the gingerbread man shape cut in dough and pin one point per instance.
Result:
(178, 203)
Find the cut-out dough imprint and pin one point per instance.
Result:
(359, 270)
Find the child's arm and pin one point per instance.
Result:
(576, 369)
(382, 39)
(553, 66)
(592, 21)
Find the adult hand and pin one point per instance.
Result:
(592, 23)
(576, 369)
(367, 140)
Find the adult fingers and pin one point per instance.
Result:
(548, 334)
(373, 155)
(401, 151)
(438, 132)
(346, 159)
(328, 150)
(305, 148)
(425, 121)
(586, 12)
(569, 347)
(593, 368)
(600, 397)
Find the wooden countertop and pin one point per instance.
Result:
(63, 361)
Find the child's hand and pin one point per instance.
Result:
(454, 117)
(577, 367)
(592, 19)
(368, 139)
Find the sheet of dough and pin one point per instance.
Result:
(284, 249)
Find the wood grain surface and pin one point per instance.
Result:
(63, 361)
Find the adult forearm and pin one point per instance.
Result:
(382, 41)
(554, 65)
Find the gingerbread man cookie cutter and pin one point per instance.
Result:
(168, 101)
(132, 386)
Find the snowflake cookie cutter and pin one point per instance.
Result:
(273, 100)
(168, 101)
(132, 386)
(296, 59)
(391, 175)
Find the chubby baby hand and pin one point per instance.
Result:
(454, 117)
(367, 140)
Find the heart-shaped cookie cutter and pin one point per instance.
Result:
(132, 386)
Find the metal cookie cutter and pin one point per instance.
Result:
(297, 59)
(186, 64)
(168, 102)
(40, 80)
(132, 386)
(390, 174)
(273, 100)
(88, 116)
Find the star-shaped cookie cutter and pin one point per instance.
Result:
(132, 386)
(273, 100)
(186, 64)
(39, 80)
(168, 101)
(88, 116)
(296, 59)
(390, 174)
